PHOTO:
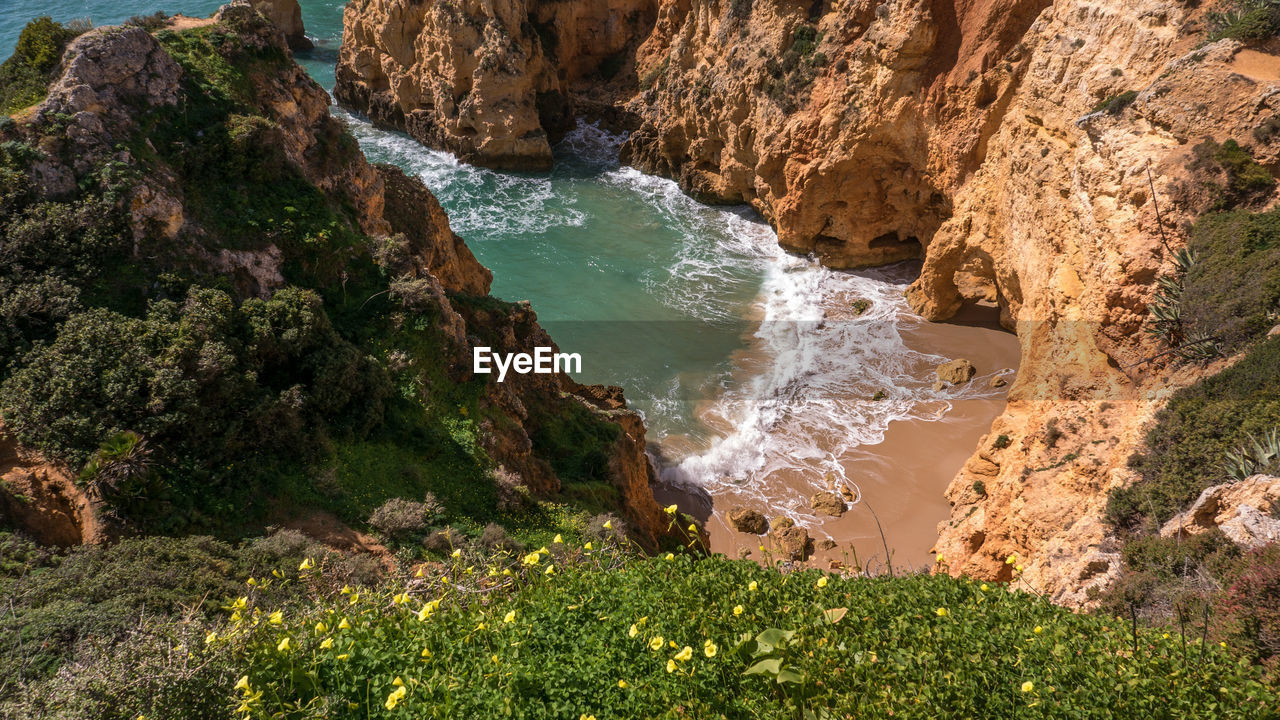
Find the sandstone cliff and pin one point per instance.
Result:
(111, 106)
(969, 134)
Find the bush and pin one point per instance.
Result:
(401, 519)
(25, 76)
(1232, 290)
(722, 638)
(1183, 452)
(1252, 607)
(1116, 104)
(1247, 20)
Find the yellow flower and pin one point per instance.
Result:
(710, 649)
(738, 609)
(634, 631)
(426, 652)
(1028, 686)
(1011, 560)
(419, 573)
(822, 582)
(401, 599)
(585, 716)
(321, 628)
(670, 509)
(693, 528)
(510, 617)
(685, 654)
(551, 570)
(355, 598)
(242, 684)
(210, 638)
(557, 540)
(506, 572)
(753, 586)
(1018, 568)
(1222, 644)
(326, 643)
(671, 666)
(939, 559)
(284, 645)
(307, 564)
(240, 603)
(587, 547)
(276, 618)
(481, 626)
(532, 558)
(346, 590)
(395, 697)
(343, 656)
(344, 625)
(1165, 636)
(1038, 630)
(608, 525)
(398, 682)
(983, 587)
(277, 573)
(942, 612)
(456, 553)
(656, 643)
(671, 556)
(251, 582)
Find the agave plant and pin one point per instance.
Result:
(1258, 455)
(122, 458)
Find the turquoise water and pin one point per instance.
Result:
(747, 363)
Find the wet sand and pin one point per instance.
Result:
(901, 479)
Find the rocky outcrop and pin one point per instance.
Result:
(827, 503)
(43, 499)
(955, 372)
(746, 520)
(1245, 511)
(488, 81)
(792, 543)
(286, 15)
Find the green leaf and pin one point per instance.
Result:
(771, 666)
(835, 615)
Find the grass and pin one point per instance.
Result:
(610, 636)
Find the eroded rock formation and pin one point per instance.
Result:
(1013, 145)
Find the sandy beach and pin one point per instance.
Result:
(902, 479)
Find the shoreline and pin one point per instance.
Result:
(902, 479)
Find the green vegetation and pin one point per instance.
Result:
(1116, 104)
(1185, 450)
(24, 77)
(791, 75)
(1246, 20)
(678, 637)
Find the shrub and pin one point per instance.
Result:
(1183, 452)
(1247, 20)
(1116, 104)
(1252, 606)
(401, 519)
(25, 76)
(1232, 290)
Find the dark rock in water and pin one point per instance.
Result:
(747, 520)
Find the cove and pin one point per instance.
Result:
(763, 377)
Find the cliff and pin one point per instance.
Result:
(1020, 148)
(210, 296)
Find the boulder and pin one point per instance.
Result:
(793, 543)
(1244, 511)
(997, 382)
(746, 520)
(827, 503)
(782, 523)
(956, 371)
